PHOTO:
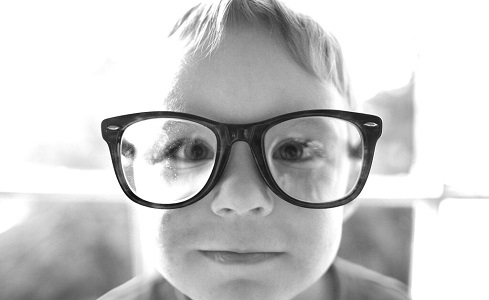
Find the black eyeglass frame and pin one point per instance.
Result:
(370, 127)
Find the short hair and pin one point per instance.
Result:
(315, 49)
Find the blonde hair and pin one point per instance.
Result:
(316, 50)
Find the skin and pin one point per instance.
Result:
(251, 77)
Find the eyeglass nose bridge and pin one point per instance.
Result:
(250, 134)
(239, 133)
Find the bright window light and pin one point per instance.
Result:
(12, 212)
(450, 257)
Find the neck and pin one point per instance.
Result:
(323, 288)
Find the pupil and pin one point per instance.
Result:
(196, 152)
(291, 152)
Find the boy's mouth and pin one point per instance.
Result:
(231, 257)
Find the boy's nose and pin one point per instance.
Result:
(241, 191)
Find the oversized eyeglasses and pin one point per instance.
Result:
(313, 159)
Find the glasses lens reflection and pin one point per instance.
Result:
(167, 161)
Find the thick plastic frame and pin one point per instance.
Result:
(369, 126)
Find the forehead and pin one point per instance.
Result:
(249, 78)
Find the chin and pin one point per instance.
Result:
(243, 290)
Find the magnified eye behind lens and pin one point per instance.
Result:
(310, 158)
(172, 158)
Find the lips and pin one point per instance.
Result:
(231, 257)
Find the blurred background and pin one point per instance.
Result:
(66, 229)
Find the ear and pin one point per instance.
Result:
(349, 209)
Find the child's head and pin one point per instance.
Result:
(249, 61)
(203, 28)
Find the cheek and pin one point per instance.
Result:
(170, 236)
(159, 234)
(320, 237)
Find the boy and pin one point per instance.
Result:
(245, 171)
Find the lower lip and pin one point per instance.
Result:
(230, 258)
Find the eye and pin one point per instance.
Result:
(298, 151)
(288, 151)
(194, 150)
(182, 153)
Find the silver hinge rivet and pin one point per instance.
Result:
(113, 127)
(371, 124)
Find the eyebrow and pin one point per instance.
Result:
(177, 125)
(302, 124)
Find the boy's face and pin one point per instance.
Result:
(241, 241)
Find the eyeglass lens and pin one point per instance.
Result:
(312, 159)
(315, 159)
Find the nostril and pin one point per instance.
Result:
(257, 210)
(224, 211)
